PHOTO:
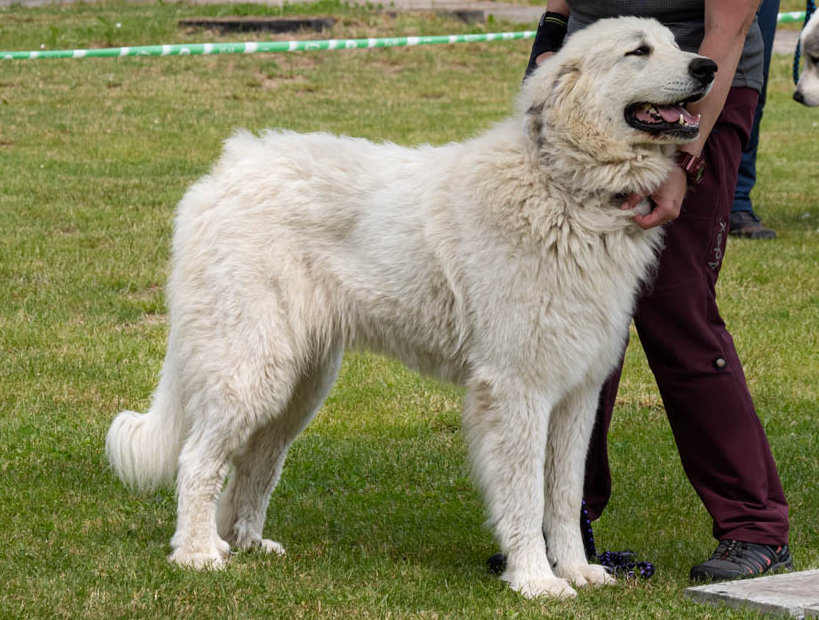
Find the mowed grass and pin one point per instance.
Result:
(375, 506)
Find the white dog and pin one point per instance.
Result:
(807, 90)
(504, 263)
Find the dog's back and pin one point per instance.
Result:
(342, 222)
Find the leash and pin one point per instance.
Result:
(810, 9)
(619, 563)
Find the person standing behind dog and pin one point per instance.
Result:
(721, 442)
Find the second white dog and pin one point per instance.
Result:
(807, 90)
(504, 263)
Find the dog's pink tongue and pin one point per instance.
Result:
(672, 113)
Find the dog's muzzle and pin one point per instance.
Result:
(672, 119)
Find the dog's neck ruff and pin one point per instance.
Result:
(610, 172)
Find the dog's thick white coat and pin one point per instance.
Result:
(504, 263)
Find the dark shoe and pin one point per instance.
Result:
(496, 564)
(747, 225)
(735, 559)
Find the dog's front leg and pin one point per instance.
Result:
(506, 429)
(570, 427)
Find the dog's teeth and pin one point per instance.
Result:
(682, 120)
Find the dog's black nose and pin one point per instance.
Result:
(798, 97)
(703, 69)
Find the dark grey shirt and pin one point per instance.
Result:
(685, 18)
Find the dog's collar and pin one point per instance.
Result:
(693, 166)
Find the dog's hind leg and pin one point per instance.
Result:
(225, 411)
(203, 465)
(506, 429)
(258, 464)
(570, 428)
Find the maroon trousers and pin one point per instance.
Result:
(721, 443)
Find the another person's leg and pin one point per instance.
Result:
(744, 221)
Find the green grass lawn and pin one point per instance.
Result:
(375, 506)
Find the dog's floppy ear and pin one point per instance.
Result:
(549, 86)
(567, 77)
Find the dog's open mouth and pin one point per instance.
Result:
(663, 119)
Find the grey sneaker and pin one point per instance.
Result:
(735, 559)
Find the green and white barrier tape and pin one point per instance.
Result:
(790, 17)
(261, 47)
(199, 49)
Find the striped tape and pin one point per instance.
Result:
(791, 17)
(264, 47)
(260, 47)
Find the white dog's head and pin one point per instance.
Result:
(807, 90)
(617, 84)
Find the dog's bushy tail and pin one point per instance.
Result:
(143, 449)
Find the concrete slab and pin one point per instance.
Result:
(788, 594)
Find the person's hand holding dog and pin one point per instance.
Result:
(666, 201)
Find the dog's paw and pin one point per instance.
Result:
(587, 575)
(214, 558)
(271, 546)
(246, 540)
(533, 587)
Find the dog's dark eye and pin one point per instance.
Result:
(643, 50)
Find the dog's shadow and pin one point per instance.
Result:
(341, 493)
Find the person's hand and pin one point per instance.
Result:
(667, 200)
